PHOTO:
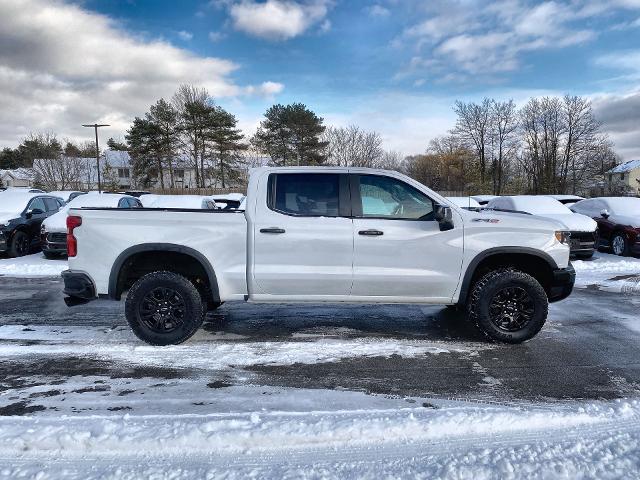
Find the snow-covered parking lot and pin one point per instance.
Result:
(318, 392)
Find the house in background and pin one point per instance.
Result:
(19, 177)
(624, 179)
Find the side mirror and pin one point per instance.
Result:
(35, 211)
(444, 216)
(604, 213)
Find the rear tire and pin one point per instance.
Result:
(164, 308)
(508, 306)
(50, 256)
(20, 245)
(584, 256)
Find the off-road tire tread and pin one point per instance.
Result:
(480, 288)
(192, 298)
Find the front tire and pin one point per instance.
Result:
(20, 245)
(508, 306)
(50, 255)
(619, 245)
(164, 308)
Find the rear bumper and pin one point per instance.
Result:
(79, 287)
(562, 283)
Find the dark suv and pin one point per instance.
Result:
(21, 214)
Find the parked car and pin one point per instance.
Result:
(567, 200)
(178, 201)
(483, 199)
(135, 193)
(465, 202)
(21, 214)
(24, 190)
(584, 230)
(314, 235)
(618, 222)
(67, 195)
(53, 232)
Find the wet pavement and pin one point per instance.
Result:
(589, 349)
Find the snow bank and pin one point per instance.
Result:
(32, 266)
(607, 272)
(586, 440)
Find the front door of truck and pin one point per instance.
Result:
(399, 250)
(303, 241)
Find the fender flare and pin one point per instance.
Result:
(473, 264)
(116, 268)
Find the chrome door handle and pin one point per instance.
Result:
(371, 233)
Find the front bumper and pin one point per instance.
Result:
(4, 242)
(79, 287)
(562, 283)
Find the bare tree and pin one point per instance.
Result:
(352, 146)
(62, 173)
(503, 130)
(473, 128)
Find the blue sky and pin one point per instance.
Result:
(392, 66)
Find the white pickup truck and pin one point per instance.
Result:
(319, 234)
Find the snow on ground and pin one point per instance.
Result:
(119, 345)
(32, 266)
(594, 440)
(609, 272)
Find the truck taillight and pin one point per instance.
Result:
(72, 243)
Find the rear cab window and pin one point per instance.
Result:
(307, 194)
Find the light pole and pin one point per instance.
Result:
(95, 126)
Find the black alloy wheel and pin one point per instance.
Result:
(511, 309)
(162, 310)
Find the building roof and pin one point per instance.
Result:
(19, 173)
(626, 167)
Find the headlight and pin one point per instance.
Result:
(562, 236)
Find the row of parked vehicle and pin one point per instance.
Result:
(595, 223)
(31, 218)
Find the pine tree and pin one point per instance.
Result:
(226, 140)
(290, 135)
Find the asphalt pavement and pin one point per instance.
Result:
(589, 349)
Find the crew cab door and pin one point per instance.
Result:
(302, 236)
(399, 249)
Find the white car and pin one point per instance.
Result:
(483, 199)
(465, 202)
(567, 200)
(53, 232)
(582, 228)
(320, 234)
(178, 201)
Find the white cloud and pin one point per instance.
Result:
(378, 11)
(184, 35)
(467, 38)
(62, 65)
(265, 89)
(277, 19)
(216, 36)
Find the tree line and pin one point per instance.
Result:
(550, 145)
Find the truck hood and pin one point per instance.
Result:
(520, 221)
(573, 221)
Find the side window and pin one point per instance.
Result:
(305, 194)
(386, 197)
(123, 203)
(52, 204)
(37, 203)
